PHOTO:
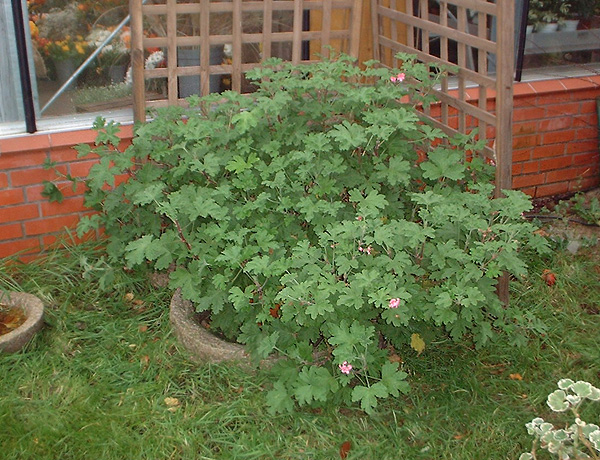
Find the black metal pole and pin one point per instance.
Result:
(305, 27)
(26, 90)
(521, 32)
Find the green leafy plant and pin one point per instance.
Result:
(318, 218)
(587, 210)
(577, 441)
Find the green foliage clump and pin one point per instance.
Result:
(573, 442)
(318, 218)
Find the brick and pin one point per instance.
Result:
(562, 175)
(584, 121)
(68, 206)
(584, 184)
(565, 109)
(521, 155)
(530, 127)
(22, 159)
(558, 137)
(529, 191)
(35, 175)
(586, 158)
(3, 180)
(545, 151)
(554, 124)
(529, 167)
(555, 163)
(10, 231)
(582, 146)
(50, 224)
(11, 196)
(586, 133)
(63, 154)
(521, 142)
(528, 180)
(18, 213)
(11, 248)
(24, 143)
(588, 106)
(551, 189)
(81, 168)
(529, 113)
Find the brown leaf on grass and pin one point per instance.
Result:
(417, 343)
(515, 377)
(172, 403)
(142, 328)
(129, 297)
(345, 448)
(395, 358)
(549, 277)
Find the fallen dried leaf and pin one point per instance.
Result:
(417, 343)
(172, 403)
(515, 377)
(129, 296)
(142, 328)
(549, 277)
(345, 448)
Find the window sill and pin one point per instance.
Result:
(60, 124)
(63, 131)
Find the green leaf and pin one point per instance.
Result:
(557, 401)
(135, 252)
(443, 163)
(368, 396)
(279, 400)
(52, 192)
(314, 384)
(393, 379)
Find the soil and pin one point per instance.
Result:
(10, 318)
(563, 223)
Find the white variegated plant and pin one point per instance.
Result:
(580, 440)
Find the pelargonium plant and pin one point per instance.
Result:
(577, 441)
(320, 219)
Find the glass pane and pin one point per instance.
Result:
(65, 34)
(562, 37)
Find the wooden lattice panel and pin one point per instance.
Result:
(476, 38)
(253, 31)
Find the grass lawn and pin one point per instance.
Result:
(106, 379)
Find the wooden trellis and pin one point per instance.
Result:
(476, 37)
(294, 30)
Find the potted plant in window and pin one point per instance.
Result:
(61, 40)
(546, 15)
(587, 12)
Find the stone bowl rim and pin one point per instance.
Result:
(34, 311)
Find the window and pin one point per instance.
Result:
(562, 38)
(78, 56)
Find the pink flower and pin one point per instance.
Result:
(398, 78)
(345, 368)
(359, 218)
(394, 303)
(368, 249)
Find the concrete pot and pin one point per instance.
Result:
(202, 345)
(34, 311)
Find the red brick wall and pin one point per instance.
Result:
(28, 221)
(555, 152)
(555, 136)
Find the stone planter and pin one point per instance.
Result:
(64, 70)
(202, 345)
(34, 312)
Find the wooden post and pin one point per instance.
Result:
(137, 61)
(504, 108)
